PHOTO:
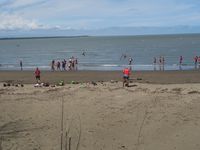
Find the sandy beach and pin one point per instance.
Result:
(160, 110)
(158, 77)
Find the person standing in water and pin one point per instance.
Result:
(83, 53)
(163, 63)
(130, 60)
(160, 63)
(53, 65)
(199, 61)
(154, 63)
(195, 62)
(154, 60)
(21, 65)
(58, 65)
(180, 60)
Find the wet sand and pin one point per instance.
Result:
(164, 77)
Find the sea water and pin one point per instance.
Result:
(101, 53)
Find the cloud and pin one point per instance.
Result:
(5, 3)
(17, 4)
(15, 22)
(33, 14)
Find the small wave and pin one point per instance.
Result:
(32, 67)
(10, 66)
(181, 65)
(110, 65)
(7, 66)
(143, 65)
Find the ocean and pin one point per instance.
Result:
(101, 53)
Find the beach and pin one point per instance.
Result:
(157, 77)
(160, 110)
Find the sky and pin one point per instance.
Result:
(97, 14)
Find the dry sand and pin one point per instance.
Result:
(107, 116)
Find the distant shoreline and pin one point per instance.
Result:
(80, 36)
(42, 37)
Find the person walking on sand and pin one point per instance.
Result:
(126, 74)
(37, 75)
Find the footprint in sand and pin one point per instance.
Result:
(177, 90)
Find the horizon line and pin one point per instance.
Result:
(79, 36)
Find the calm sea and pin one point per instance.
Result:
(101, 53)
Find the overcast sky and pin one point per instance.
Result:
(97, 14)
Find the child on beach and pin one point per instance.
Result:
(126, 74)
(37, 75)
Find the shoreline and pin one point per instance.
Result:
(109, 67)
(154, 77)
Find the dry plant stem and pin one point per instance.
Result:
(140, 130)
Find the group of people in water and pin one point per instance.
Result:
(196, 61)
(161, 62)
(71, 64)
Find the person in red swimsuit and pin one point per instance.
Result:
(37, 75)
(126, 74)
